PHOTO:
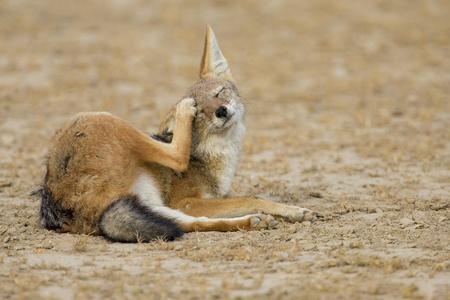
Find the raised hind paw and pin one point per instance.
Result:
(187, 107)
(262, 221)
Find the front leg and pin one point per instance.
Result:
(241, 206)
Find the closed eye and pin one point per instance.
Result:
(217, 95)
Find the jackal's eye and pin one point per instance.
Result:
(218, 94)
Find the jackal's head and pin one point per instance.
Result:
(220, 108)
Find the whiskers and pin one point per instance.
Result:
(206, 131)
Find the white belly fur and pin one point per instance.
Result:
(147, 190)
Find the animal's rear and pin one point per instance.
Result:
(125, 220)
(87, 185)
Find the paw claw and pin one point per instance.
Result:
(309, 216)
(188, 106)
(273, 223)
(302, 215)
(262, 221)
(255, 221)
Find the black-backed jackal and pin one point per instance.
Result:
(104, 176)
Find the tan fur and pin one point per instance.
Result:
(96, 158)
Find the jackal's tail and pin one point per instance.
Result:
(51, 215)
(127, 220)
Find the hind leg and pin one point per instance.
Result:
(189, 223)
(174, 155)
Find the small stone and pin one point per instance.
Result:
(291, 230)
(45, 245)
(308, 247)
(41, 237)
(419, 216)
(405, 222)
(316, 195)
(306, 223)
(5, 183)
(178, 247)
(379, 211)
(439, 206)
(3, 229)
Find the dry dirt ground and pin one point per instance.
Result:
(348, 113)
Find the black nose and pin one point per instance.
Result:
(221, 112)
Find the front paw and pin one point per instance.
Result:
(262, 221)
(186, 108)
(299, 214)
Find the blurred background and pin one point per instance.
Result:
(348, 114)
(120, 55)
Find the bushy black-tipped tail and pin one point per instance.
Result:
(51, 215)
(127, 220)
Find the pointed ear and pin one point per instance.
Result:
(213, 63)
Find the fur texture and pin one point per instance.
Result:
(106, 177)
(51, 214)
(127, 220)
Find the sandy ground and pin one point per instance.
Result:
(348, 114)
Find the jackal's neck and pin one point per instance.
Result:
(218, 145)
(220, 155)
